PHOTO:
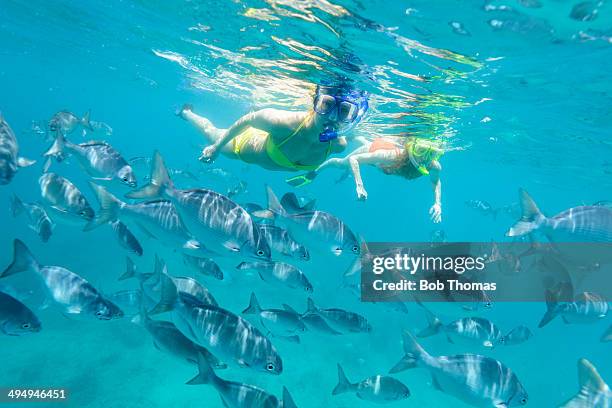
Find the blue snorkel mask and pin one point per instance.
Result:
(345, 107)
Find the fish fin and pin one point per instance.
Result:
(265, 214)
(531, 218)
(109, 207)
(413, 353)
(169, 295)
(17, 206)
(23, 260)
(23, 162)
(591, 384)
(291, 203)
(86, 122)
(435, 383)
(102, 178)
(47, 164)
(273, 204)
(130, 270)
(434, 324)
(289, 309)
(343, 383)
(192, 244)
(287, 399)
(146, 231)
(552, 309)
(160, 180)
(311, 307)
(231, 246)
(253, 307)
(206, 375)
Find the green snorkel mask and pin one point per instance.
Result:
(422, 152)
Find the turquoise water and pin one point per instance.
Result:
(522, 94)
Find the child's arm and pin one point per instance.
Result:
(434, 175)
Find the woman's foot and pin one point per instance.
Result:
(186, 108)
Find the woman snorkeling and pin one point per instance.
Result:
(407, 157)
(283, 140)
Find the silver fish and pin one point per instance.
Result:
(169, 339)
(125, 237)
(212, 217)
(229, 337)
(475, 330)
(69, 290)
(279, 273)
(16, 319)
(379, 388)
(607, 336)
(281, 242)
(585, 11)
(159, 219)
(10, 161)
(204, 266)
(578, 224)
(65, 122)
(316, 323)
(38, 218)
(518, 335)
(586, 308)
(594, 392)
(341, 320)
(315, 229)
(284, 323)
(99, 159)
(64, 197)
(476, 380)
(238, 395)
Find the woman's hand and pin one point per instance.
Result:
(435, 213)
(362, 194)
(209, 154)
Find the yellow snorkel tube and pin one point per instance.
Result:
(422, 152)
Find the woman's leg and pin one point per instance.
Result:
(205, 126)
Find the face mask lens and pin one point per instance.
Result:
(347, 112)
(324, 104)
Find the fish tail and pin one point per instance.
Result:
(160, 180)
(109, 207)
(130, 269)
(23, 260)
(531, 218)
(552, 309)
(413, 353)
(344, 384)
(253, 307)
(57, 148)
(287, 400)
(205, 375)
(16, 205)
(86, 122)
(434, 324)
(591, 385)
(169, 295)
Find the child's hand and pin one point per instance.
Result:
(209, 154)
(362, 194)
(436, 213)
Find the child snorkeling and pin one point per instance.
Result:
(283, 140)
(409, 157)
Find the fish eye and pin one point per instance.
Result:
(26, 326)
(99, 313)
(308, 289)
(125, 179)
(487, 305)
(82, 212)
(260, 252)
(270, 367)
(355, 248)
(524, 400)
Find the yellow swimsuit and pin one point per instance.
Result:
(273, 149)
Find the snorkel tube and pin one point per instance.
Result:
(357, 98)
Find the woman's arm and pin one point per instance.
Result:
(434, 175)
(267, 120)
